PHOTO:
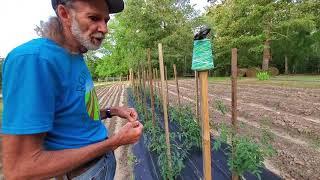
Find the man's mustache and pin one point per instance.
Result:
(98, 35)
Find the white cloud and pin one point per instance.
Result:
(18, 19)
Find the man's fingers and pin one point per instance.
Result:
(133, 113)
(135, 124)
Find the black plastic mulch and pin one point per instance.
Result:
(146, 167)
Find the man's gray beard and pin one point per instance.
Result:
(83, 40)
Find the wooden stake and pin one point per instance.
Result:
(159, 89)
(155, 81)
(197, 95)
(177, 84)
(234, 72)
(145, 95)
(131, 77)
(164, 104)
(151, 88)
(159, 84)
(166, 76)
(139, 86)
(206, 150)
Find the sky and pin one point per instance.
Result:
(18, 19)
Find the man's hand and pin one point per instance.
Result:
(130, 133)
(124, 112)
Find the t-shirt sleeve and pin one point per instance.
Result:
(29, 88)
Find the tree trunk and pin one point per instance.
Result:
(286, 65)
(266, 55)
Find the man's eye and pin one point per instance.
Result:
(93, 18)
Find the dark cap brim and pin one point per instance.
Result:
(115, 6)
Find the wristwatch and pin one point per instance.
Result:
(108, 112)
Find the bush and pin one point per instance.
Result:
(263, 75)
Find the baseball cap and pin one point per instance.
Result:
(115, 6)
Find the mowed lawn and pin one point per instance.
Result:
(294, 81)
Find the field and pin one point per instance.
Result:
(288, 106)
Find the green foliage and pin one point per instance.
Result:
(156, 142)
(263, 75)
(143, 24)
(189, 129)
(248, 154)
(186, 136)
(221, 107)
(292, 27)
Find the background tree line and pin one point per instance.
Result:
(279, 33)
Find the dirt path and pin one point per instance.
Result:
(115, 95)
(297, 157)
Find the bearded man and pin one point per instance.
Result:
(51, 118)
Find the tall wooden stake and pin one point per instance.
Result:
(196, 77)
(139, 86)
(159, 88)
(151, 87)
(164, 104)
(155, 81)
(234, 72)
(206, 150)
(159, 84)
(166, 76)
(177, 84)
(144, 94)
(131, 77)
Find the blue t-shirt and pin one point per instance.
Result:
(47, 89)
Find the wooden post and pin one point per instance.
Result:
(206, 149)
(131, 77)
(159, 89)
(139, 86)
(159, 84)
(164, 104)
(155, 81)
(197, 94)
(177, 84)
(234, 73)
(151, 87)
(134, 86)
(166, 78)
(144, 95)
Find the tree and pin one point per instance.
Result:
(144, 24)
(281, 31)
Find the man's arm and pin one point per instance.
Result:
(123, 112)
(25, 158)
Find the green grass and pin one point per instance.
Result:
(295, 81)
(297, 78)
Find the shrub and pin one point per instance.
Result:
(263, 75)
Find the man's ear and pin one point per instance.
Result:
(64, 14)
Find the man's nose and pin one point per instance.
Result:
(103, 27)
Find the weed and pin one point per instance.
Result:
(221, 107)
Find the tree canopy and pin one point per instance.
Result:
(286, 30)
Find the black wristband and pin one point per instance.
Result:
(108, 113)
